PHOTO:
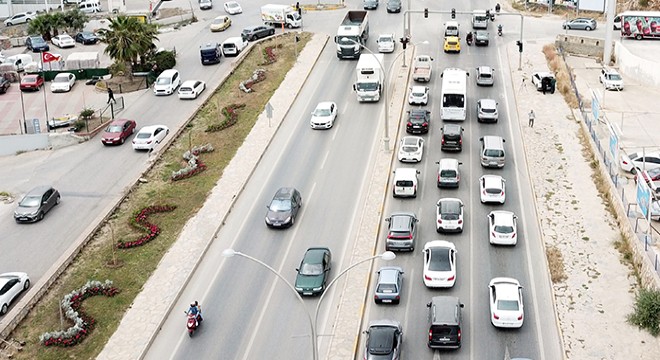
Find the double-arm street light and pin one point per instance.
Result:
(388, 255)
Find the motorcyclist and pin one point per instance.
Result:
(468, 38)
(196, 310)
(499, 29)
(497, 7)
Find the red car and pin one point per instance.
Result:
(651, 176)
(32, 82)
(118, 131)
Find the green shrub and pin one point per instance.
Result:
(646, 314)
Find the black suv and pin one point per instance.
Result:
(252, 33)
(445, 318)
(418, 121)
(452, 137)
(384, 340)
(401, 231)
(283, 208)
(36, 43)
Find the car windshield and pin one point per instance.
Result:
(163, 81)
(504, 229)
(614, 77)
(114, 129)
(30, 201)
(322, 112)
(448, 173)
(311, 269)
(280, 205)
(510, 305)
(219, 21)
(439, 259)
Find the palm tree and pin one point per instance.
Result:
(128, 40)
(75, 20)
(40, 25)
(57, 21)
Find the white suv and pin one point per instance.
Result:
(611, 79)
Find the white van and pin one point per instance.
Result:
(492, 151)
(90, 6)
(405, 182)
(233, 46)
(451, 28)
(20, 61)
(167, 82)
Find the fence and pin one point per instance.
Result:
(600, 133)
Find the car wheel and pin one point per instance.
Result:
(272, 32)
(253, 38)
(588, 28)
(57, 201)
(293, 220)
(40, 216)
(4, 309)
(27, 20)
(121, 141)
(26, 285)
(9, 24)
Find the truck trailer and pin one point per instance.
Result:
(352, 34)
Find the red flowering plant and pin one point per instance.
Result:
(72, 307)
(231, 117)
(269, 55)
(139, 221)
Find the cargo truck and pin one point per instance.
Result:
(640, 24)
(422, 67)
(277, 15)
(352, 34)
(369, 77)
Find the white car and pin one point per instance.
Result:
(62, 82)
(506, 303)
(655, 210)
(439, 264)
(190, 89)
(233, 8)
(20, 18)
(150, 136)
(503, 228)
(538, 76)
(419, 95)
(411, 149)
(487, 110)
(63, 41)
(323, 117)
(386, 43)
(492, 189)
(645, 161)
(12, 284)
(449, 215)
(611, 79)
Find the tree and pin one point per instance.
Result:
(75, 20)
(40, 25)
(54, 23)
(129, 40)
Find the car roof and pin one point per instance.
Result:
(324, 105)
(189, 83)
(386, 36)
(492, 181)
(149, 128)
(439, 243)
(64, 74)
(451, 38)
(314, 255)
(284, 192)
(389, 274)
(502, 217)
(450, 201)
(419, 88)
(451, 128)
(543, 74)
(488, 103)
(384, 322)
(419, 111)
(120, 121)
(39, 190)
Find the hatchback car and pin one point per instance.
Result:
(20, 18)
(12, 284)
(580, 24)
(502, 228)
(611, 79)
(389, 285)
(150, 136)
(449, 174)
(386, 43)
(190, 89)
(449, 215)
(439, 264)
(36, 43)
(220, 23)
(118, 131)
(62, 82)
(639, 160)
(205, 4)
(86, 38)
(506, 303)
(232, 8)
(393, 6)
(384, 340)
(419, 95)
(253, 33)
(284, 207)
(452, 138)
(418, 121)
(492, 189)
(313, 271)
(31, 82)
(481, 38)
(401, 231)
(36, 203)
(323, 117)
(485, 76)
(63, 41)
(487, 110)
(411, 149)
(452, 44)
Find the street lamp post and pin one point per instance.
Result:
(388, 255)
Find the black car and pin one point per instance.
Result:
(283, 208)
(4, 85)
(36, 203)
(452, 138)
(384, 340)
(313, 271)
(86, 38)
(481, 38)
(445, 318)
(252, 33)
(36, 43)
(418, 121)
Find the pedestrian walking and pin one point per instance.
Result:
(298, 8)
(531, 118)
(111, 96)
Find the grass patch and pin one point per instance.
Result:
(646, 314)
(561, 71)
(188, 195)
(555, 264)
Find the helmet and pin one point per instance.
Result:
(195, 304)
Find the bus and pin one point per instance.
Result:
(454, 94)
(640, 24)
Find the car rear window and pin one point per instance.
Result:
(386, 288)
(404, 183)
(494, 153)
(448, 174)
(488, 110)
(442, 330)
(503, 229)
(452, 136)
(485, 76)
(510, 305)
(493, 191)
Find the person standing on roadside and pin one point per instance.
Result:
(532, 116)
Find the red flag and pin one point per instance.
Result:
(48, 57)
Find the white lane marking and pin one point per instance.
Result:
(324, 159)
(472, 265)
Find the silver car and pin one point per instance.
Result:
(36, 203)
(487, 110)
(485, 76)
(388, 287)
(580, 24)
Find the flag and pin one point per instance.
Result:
(47, 57)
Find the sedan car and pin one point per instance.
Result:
(580, 24)
(611, 79)
(150, 136)
(439, 264)
(31, 82)
(502, 228)
(36, 43)
(386, 43)
(487, 110)
(118, 131)
(220, 23)
(411, 149)
(389, 285)
(506, 303)
(314, 271)
(537, 79)
(20, 18)
(252, 33)
(232, 8)
(36, 203)
(324, 116)
(481, 38)
(190, 89)
(384, 340)
(452, 44)
(284, 208)
(86, 38)
(449, 215)
(639, 160)
(63, 41)
(62, 82)
(418, 121)
(492, 189)
(12, 284)
(4, 85)
(419, 95)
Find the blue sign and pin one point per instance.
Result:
(594, 107)
(643, 196)
(614, 144)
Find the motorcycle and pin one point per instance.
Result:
(468, 40)
(499, 30)
(193, 323)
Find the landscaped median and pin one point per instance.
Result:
(128, 247)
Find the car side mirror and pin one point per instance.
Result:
(462, 305)
(503, 140)
(428, 305)
(437, 162)
(297, 269)
(354, 87)
(460, 163)
(388, 219)
(417, 171)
